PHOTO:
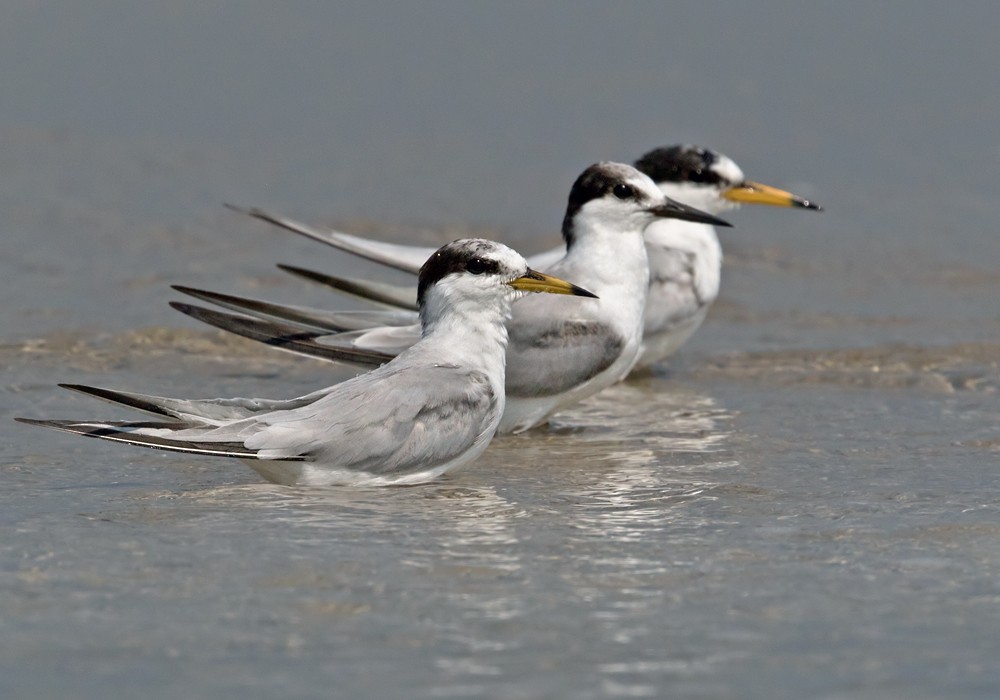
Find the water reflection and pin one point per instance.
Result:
(438, 553)
(638, 515)
(663, 445)
(463, 513)
(588, 525)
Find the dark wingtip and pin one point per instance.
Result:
(198, 312)
(202, 294)
(107, 394)
(41, 422)
(74, 387)
(249, 211)
(295, 270)
(100, 393)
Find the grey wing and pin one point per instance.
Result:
(390, 340)
(388, 422)
(314, 319)
(291, 338)
(391, 421)
(205, 412)
(392, 296)
(401, 257)
(157, 436)
(549, 351)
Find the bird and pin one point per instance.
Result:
(685, 257)
(559, 353)
(432, 409)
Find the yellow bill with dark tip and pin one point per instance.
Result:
(748, 192)
(538, 282)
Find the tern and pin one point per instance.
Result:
(559, 353)
(685, 258)
(432, 409)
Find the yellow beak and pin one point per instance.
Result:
(538, 282)
(749, 192)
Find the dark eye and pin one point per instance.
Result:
(477, 266)
(623, 192)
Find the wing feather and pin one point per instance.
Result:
(401, 257)
(313, 319)
(389, 295)
(389, 422)
(548, 354)
(296, 339)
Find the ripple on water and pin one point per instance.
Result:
(973, 367)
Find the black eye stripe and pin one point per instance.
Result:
(623, 192)
(467, 256)
(598, 181)
(479, 266)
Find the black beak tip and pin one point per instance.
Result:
(676, 210)
(581, 292)
(806, 204)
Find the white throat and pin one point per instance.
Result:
(465, 330)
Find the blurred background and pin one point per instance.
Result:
(802, 504)
(125, 127)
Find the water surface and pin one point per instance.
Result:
(804, 504)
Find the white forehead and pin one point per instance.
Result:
(508, 258)
(642, 183)
(727, 169)
(627, 175)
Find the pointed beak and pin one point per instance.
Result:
(675, 210)
(755, 193)
(537, 282)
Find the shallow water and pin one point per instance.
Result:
(717, 537)
(804, 504)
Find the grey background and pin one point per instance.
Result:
(802, 505)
